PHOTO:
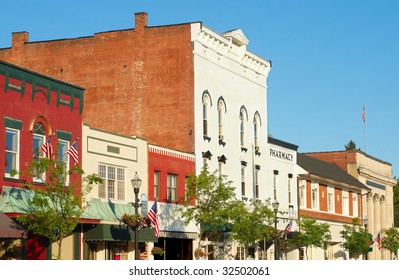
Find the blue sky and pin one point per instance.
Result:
(329, 57)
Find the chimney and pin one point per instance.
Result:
(19, 38)
(141, 20)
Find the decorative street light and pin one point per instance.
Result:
(275, 205)
(136, 183)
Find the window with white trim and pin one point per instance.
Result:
(171, 188)
(330, 199)
(113, 184)
(256, 183)
(157, 176)
(345, 203)
(242, 128)
(302, 196)
(205, 109)
(12, 151)
(242, 180)
(63, 157)
(39, 132)
(275, 175)
(355, 212)
(289, 188)
(221, 110)
(315, 196)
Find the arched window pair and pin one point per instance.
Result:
(256, 125)
(206, 104)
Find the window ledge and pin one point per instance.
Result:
(222, 143)
(207, 138)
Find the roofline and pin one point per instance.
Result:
(351, 151)
(281, 143)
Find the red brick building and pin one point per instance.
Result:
(138, 69)
(34, 109)
(167, 174)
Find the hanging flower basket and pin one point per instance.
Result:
(133, 220)
(198, 253)
(157, 251)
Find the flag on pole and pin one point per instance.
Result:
(288, 228)
(73, 151)
(378, 240)
(364, 114)
(153, 217)
(47, 148)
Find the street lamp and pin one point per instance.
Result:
(275, 205)
(136, 183)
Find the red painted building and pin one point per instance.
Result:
(167, 174)
(34, 109)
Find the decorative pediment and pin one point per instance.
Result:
(237, 37)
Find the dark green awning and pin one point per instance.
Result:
(118, 233)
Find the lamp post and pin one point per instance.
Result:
(136, 183)
(365, 222)
(275, 205)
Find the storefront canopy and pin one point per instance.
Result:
(10, 229)
(121, 232)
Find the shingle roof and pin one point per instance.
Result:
(327, 170)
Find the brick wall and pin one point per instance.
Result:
(138, 81)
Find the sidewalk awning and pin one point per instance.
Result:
(121, 232)
(10, 229)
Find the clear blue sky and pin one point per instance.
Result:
(329, 57)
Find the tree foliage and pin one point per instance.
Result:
(312, 234)
(217, 208)
(56, 206)
(350, 146)
(390, 240)
(252, 224)
(356, 238)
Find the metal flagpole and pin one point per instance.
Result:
(365, 128)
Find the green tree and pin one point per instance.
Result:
(215, 203)
(390, 241)
(350, 146)
(312, 233)
(356, 238)
(56, 206)
(252, 223)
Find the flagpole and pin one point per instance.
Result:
(365, 128)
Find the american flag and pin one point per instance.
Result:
(47, 148)
(378, 240)
(364, 114)
(73, 151)
(153, 217)
(288, 228)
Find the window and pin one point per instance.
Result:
(156, 184)
(12, 150)
(355, 212)
(221, 111)
(113, 185)
(256, 131)
(205, 109)
(345, 204)
(330, 199)
(275, 174)
(315, 198)
(171, 189)
(186, 194)
(242, 128)
(63, 156)
(39, 132)
(302, 196)
(256, 183)
(240, 253)
(242, 180)
(289, 188)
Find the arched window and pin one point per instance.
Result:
(39, 138)
(221, 113)
(243, 119)
(257, 124)
(205, 113)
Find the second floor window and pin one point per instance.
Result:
(12, 150)
(171, 189)
(63, 156)
(205, 109)
(113, 185)
(330, 199)
(156, 184)
(242, 180)
(315, 197)
(39, 132)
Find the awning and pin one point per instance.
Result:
(10, 229)
(121, 232)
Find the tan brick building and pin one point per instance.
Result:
(377, 204)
